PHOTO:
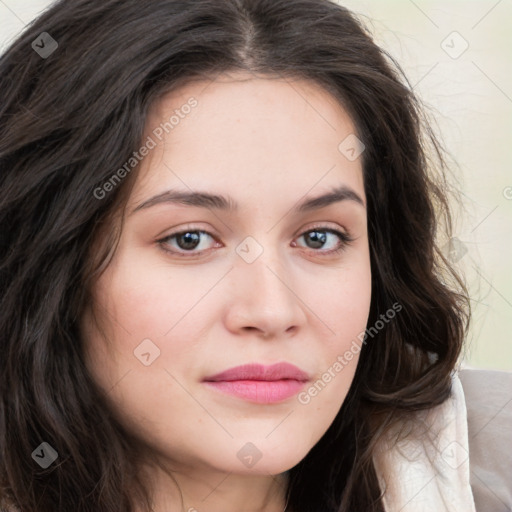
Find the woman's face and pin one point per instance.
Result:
(260, 283)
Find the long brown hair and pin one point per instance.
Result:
(72, 116)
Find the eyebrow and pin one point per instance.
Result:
(219, 202)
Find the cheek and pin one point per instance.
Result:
(343, 305)
(144, 298)
(145, 308)
(343, 301)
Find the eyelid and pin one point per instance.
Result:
(187, 228)
(323, 226)
(343, 234)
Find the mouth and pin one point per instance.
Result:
(258, 383)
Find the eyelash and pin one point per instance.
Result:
(346, 240)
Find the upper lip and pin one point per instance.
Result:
(254, 371)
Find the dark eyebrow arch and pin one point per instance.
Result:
(219, 202)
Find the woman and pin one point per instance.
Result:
(221, 284)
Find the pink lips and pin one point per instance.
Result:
(258, 383)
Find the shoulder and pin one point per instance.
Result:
(488, 397)
(455, 456)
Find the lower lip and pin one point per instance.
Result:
(259, 391)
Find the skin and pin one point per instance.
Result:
(268, 143)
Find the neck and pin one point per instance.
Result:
(215, 491)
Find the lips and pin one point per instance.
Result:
(258, 383)
(279, 371)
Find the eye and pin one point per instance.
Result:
(320, 235)
(189, 240)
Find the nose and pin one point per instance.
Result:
(263, 299)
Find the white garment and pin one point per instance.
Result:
(429, 470)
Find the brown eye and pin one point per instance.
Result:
(185, 241)
(318, 237)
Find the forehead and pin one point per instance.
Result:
(248, 134)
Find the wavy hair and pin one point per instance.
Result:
(68, 119)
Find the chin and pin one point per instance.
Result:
(266, 460)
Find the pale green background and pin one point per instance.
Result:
(471, 98)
